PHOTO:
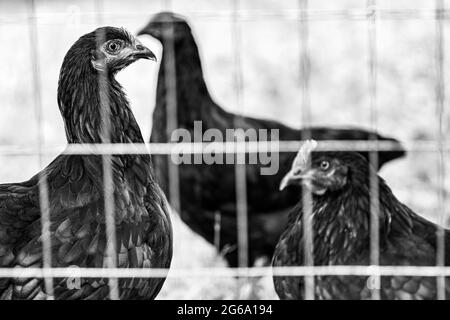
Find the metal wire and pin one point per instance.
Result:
(225, 147)
(440, 102)
(44, 202)
(89, 17)
(253, 272)
(169, 65)
(375, 279)
(110, 260)
(239, 168)
(308, 243)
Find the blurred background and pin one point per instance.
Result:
(270, 59)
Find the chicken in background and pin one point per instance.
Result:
(208, 191)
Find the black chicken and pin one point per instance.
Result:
(210, 189)
(340, 188)
(76, 188)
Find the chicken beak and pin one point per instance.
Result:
(142, 52)
(291, 178)
(284, 182)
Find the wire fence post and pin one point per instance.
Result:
(240, 169)
(110, 260)
(374, 280)
(440, 109)
(304, 78)
(171, 107)
(43, 185)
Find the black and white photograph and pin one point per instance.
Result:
(246, 151)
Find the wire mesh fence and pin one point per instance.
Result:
(237, 17)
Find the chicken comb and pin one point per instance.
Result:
(301, 160)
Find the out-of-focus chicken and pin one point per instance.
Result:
(208, 190)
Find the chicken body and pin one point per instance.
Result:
(341, 236)
(208, 191)
(76, 188)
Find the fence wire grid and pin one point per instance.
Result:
(303, 15)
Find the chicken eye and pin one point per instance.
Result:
(113, 46)
(324, 165)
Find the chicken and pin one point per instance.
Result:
(208, 191)
(339, 183)
(76, 196)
